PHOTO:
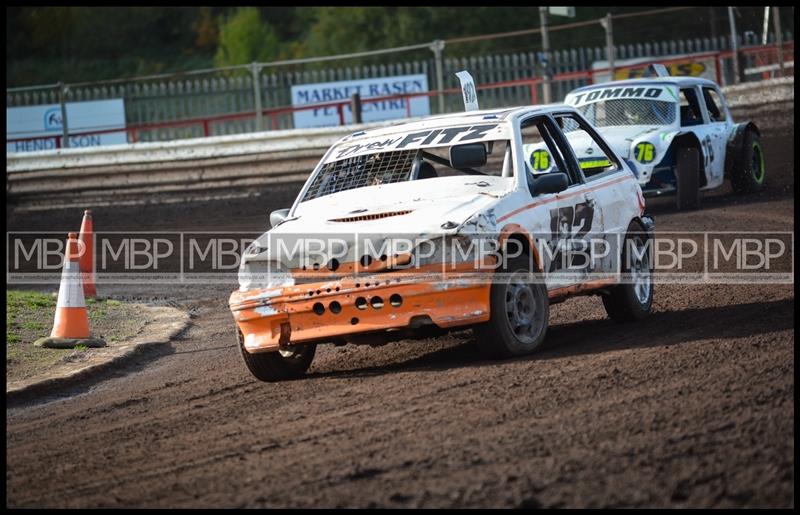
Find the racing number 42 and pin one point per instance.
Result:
(562, 223)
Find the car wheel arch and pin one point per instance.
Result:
(689, 138)
(516, 232)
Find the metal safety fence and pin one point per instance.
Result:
(233, 101)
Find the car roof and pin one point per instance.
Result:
(676, 81)
(462, 118)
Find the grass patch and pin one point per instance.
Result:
(97, 313)
(29, 316)
(33, 326)
(19, 299)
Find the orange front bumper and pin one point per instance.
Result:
(272, 318)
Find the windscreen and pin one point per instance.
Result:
(399, 166)
(621, 105)
(611, 113)
(420, 154)
(360, 171)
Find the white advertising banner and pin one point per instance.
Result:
(43, 122)
(327, 92)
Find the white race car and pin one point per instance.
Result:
(391, 234)
(676, 132)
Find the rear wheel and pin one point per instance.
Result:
(633, 298)
(687, 174)
(520, 311)
(748, 170)
(291, 363)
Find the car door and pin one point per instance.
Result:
(694, 117)
(719, 124)
(577, 217)
(542, 156)
(608, 201)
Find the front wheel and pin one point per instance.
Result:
(291, 363)
(632, 299)
(519, 313)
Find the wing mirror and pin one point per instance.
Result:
(553, 182)
(278, 216)
(469, 155)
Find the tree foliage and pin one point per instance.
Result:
(48, 44)
(244, 38)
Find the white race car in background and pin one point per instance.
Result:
(677, 133)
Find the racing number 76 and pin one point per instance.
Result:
(644, 152)
(541, 160)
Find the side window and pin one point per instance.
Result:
(714, 105)
(593, 154)
(540, 153)
(690, 108)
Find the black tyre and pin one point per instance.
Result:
(687, 174)
(633, 298)
(520, 312)
(280, 365)
(747, 175)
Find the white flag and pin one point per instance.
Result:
(468, 90)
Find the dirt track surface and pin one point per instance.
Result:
(691, 407)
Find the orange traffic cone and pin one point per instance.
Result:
(71, 326)
(87, 257)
